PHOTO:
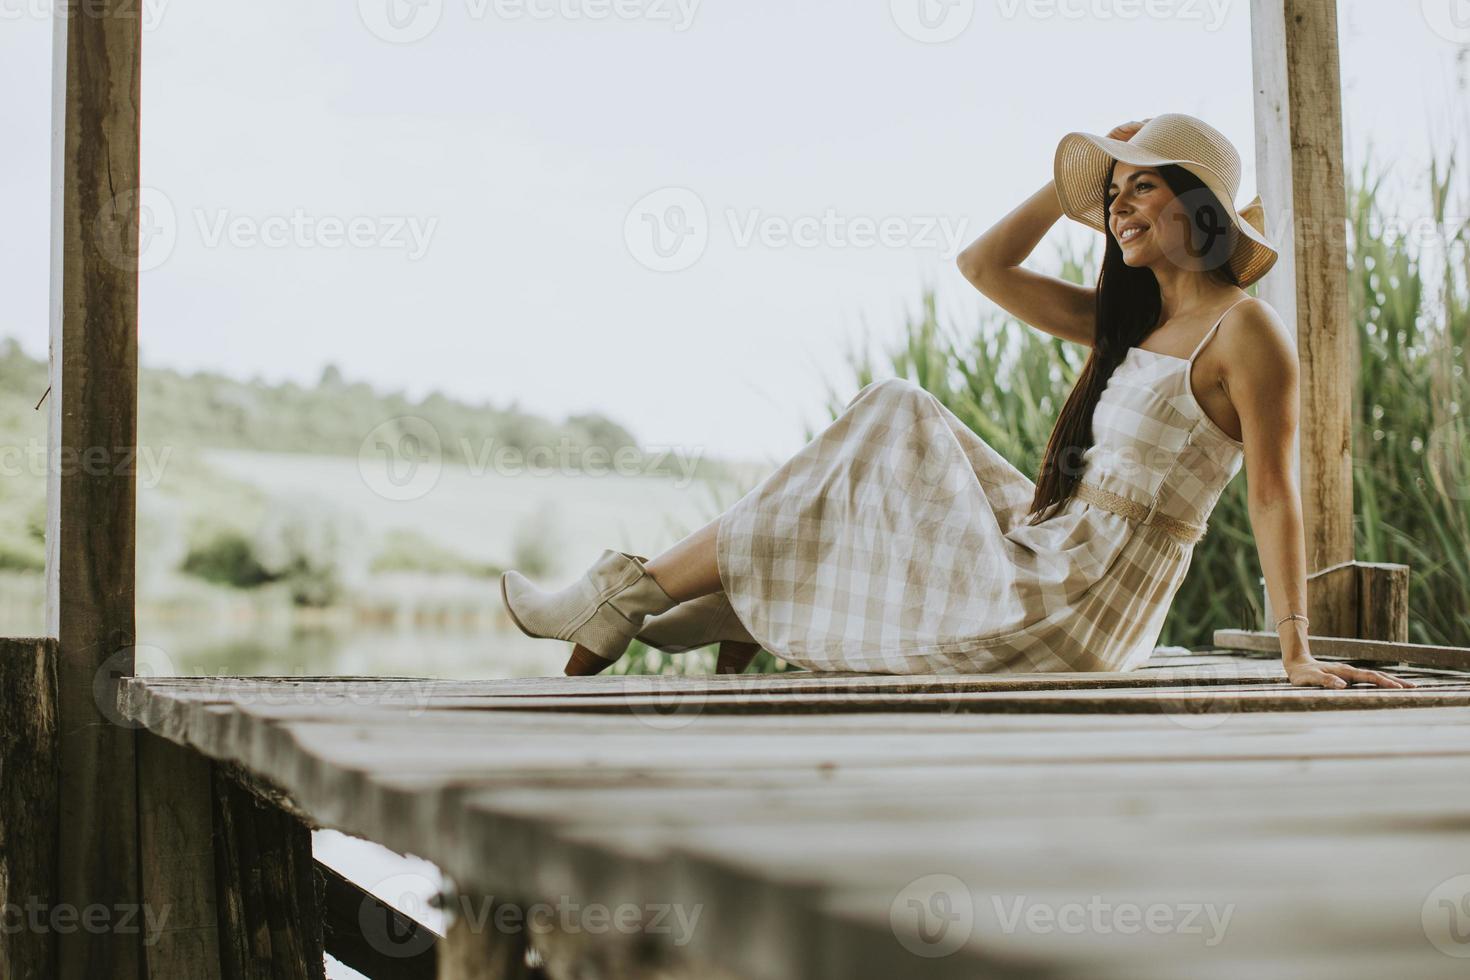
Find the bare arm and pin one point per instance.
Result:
(992, 263)
(1260, 376)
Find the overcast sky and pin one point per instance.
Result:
(678, 213)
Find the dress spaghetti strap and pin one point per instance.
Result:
(1211, 332)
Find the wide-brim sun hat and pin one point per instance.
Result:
(1083, 160)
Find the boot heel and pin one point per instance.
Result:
(584, 663)
(735, 656)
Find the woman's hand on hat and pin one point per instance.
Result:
(1127, 130)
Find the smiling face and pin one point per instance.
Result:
(1138, 216)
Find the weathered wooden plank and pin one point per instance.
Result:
(29, 787)
(425, 692)
(372, 937)
(345, 786)
(348, 692)
(680, 711)
(548, 804)
(176, 859)
(1348, 648)
(1049, 860)
(91, 476)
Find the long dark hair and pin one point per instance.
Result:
(1128, 307)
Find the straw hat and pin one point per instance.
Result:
(1083, 159)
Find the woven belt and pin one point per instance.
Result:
(1133, 510)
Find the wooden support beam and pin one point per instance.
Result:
(267, 890)
(91, 478)
(229, 886)
(1346, 648)
(176, 854)
(1300, 175)
(375, 939)
(29, 776)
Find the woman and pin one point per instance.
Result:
(899, 541)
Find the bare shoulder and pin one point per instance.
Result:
(1255, 341)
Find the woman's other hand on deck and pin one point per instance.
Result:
(1310, 672)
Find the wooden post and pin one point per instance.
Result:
(91, 477)
(483, 952)
(28, 791)
(1299, 166)
(1383, 601)
(270, 922)
(176, 852)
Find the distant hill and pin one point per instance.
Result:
(332, 417)
(181, 414)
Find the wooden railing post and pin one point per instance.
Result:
(91, 481)
(1299, 166)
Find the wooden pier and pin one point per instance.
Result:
(1199, 817)
(1196, 818)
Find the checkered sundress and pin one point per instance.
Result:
(895, 541)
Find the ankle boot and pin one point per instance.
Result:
(700, 622)
(601, 612)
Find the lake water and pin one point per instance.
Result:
(422, 625)
(443, 626)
